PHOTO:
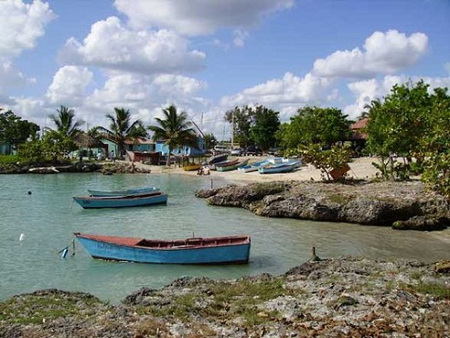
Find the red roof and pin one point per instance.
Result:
(360, 124)
(139, 140)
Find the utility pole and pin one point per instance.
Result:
(232, 130)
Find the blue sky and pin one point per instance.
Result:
(208, 56)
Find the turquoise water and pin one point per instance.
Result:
(48, 218)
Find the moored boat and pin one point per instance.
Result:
(213, 250)
(90, 202)
(137, 191)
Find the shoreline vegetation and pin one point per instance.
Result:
(333, 297)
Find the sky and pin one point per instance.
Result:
(209, 56)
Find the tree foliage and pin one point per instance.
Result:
(175, 129)
(121, 128)
(241, 119)
(15, 131)
(266, 124)
(412, 123)
(335, 158)
(61, 140)
(313, 125)
(210, 141)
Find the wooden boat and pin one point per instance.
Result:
(225, 163)
(232, 166)
(253, 166)
(214, 250)
(139, 200)
(279, 168)
(217, 158)
(137, 191)
(192, 167)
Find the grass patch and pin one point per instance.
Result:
(338, 198)
(436, 290)
(32, 309)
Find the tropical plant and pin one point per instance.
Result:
(175, 129)
(61, 140)
(335, 158)
(121, 128)
(15, 131)
(210, 141)
(313, 125)
(266, 124)
(241, 120)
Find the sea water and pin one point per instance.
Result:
(38, 218)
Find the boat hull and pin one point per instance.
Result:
(120, 202)
(103, 193)
(223, 254)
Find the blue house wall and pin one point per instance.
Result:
(185, 151)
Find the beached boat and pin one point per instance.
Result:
(232, 166)
(225, 163)
(137, 191)
(214, 250)
(254, 166)
(192, 167)
(90, 202)
(278, 168)
(217, 158)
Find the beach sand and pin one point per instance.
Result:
(360, 168)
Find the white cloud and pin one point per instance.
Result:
(111, 45)
(69, 86)
(198, 17)
(21, 25)
(366, 91)
(384, 53)
(11, 77)
(239, 37)
(290, 90)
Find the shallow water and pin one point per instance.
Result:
(48, 218)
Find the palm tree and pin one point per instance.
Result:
(121, 128)
(65, 122)
(62, 140)
(175, 129)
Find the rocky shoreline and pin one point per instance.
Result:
(342, 297)
(401, 205)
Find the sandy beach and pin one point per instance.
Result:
(360, 168)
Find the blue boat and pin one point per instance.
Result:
(89, 202)
(254, 166)
(213, 250)
(278, 168)
(137, 191)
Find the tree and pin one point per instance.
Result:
(266, 124)
(122, 128)
(15, 131)
(241, 120)
(210, 141)
(175, 129)
(62, 139)
(397, 126)
(313, 125)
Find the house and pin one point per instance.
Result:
(90, 146)
(140, 144)
(358, 137)
(162, 148)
